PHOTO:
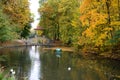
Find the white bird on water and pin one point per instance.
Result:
(69, 68)
(12, 71)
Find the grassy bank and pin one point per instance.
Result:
(12, 44)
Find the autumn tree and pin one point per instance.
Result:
(95, 25)
(69, 20)
(6, 33)
(49, 18)
(18, 11)
(61, 19)
(100, 21)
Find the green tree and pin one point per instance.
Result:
(61, 19)
(69, 20)
(6, 32)
(18, 11)
(26, 31)
(50, 19)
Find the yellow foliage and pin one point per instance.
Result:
(39, 32)
(74, 24)
(18, 11)
(84, 5)
(81, 40)
(114, 3)
(47, 8)
(108, 29)
(89, 33)
(93, 18)
(84, 20)
(115, 23)
(101, 39)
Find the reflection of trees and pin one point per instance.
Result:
(18, 59)
(81, 69)
(104, 69)
(54, 68)
(51, 69)
(23, 63)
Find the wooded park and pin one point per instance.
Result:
(90, 28)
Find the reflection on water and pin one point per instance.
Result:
(35, 63)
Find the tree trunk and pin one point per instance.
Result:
(109, 22)
(108, 11)
(58, 32)
(108, 2)
(119, 9)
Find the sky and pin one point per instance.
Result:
(34, 5)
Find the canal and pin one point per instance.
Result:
(35, 63)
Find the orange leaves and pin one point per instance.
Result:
(93, 20)
(89, 33)
(84, 19)
(85, 5)
(100, 19)
(97, 19)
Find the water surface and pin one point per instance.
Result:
(34, 63)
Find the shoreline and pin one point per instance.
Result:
(64, 48)
(70, 49)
